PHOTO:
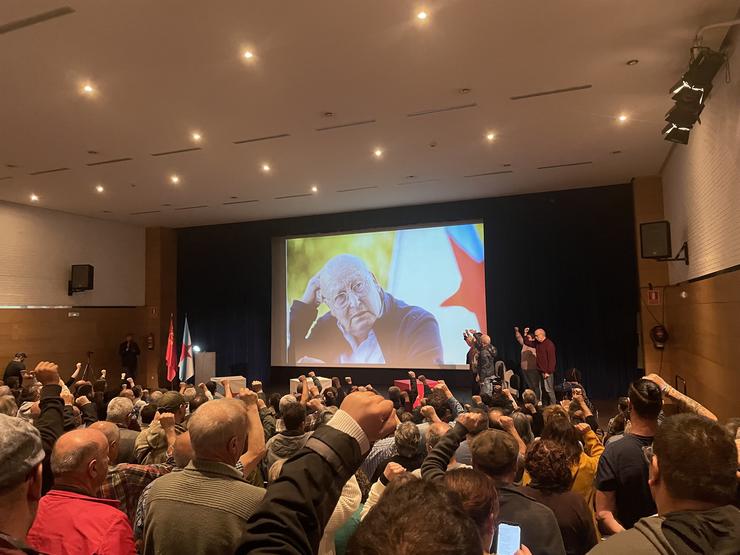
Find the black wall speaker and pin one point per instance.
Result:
(83, 276)
(655, 240)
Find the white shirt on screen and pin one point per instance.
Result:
(368, 352)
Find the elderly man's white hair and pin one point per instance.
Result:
(119, 410)
(8, 406)
(340, 265)
(286, 400)
(20, 451)
(214, 423)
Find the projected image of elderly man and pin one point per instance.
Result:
(364, 325)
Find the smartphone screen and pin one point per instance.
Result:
(509, 539)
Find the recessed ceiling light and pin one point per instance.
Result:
(378, 152)
(174, 179)
(422, 15)
(622, 118)
(34, 197)
(490, 136)
(266, 168)
(633, 62)
(464, 90)
(87, 88)
(314, 189)
(196, 136)
(99, 188)
(248, 55)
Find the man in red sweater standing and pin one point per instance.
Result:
(545, 362)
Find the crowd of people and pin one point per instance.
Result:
(108, 467)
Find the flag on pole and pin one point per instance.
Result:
(186, 355)
(171, 356)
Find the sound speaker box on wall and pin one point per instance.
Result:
(83, 276)
(655, 240)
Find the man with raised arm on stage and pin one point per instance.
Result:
(546, 362)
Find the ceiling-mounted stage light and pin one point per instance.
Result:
(676, 134)
(684, 115)
(690, 92)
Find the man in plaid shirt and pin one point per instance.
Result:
(125, 482)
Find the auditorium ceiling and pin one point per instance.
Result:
(184, 113)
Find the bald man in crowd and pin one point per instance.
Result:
(124, 482)
(70, 518)
(21, 457)
(364, 325)
(210, 491)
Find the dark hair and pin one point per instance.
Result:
(623, 404)
(732, 426)
(486, 399)
(138, 391)
(477, 493)
(617, 424)
(560, 430)
(13, 382)
(331, 396)
(394, 394)
(398, 525)
(147, 413)
(274, 401)
(211, 386)
(697, 459)
(523, 427)
(406, 416)
(294, 415)
(645, 398)
(85, 390)
(197, 401)
(547, 464)
(438, 401)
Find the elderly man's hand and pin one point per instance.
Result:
(427, 412)
(167, 421)
(374, 414)
(67, 397)
(412, 374)
(473, 421)
(312, 294)
(81, 401)
(507, 422)
(248, 396)
(47, 373)
(393, 470)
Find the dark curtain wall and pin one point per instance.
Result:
(564, 261)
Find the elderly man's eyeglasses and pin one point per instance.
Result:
(341, 300)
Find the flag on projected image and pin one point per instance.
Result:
(442, 270)
(186, 355)
(170, 356)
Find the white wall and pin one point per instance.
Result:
(38, 247)
(701, 181)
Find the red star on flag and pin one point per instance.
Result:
(472, 291)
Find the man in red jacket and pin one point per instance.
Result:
(70, 519)
(545, 362)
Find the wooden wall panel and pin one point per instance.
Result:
(50, 334)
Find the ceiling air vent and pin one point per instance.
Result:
(35, 19)
(565, 165)
(554, 91)
(294, 196)
(484, 174)
(41, 172)
(258, 139)
(357, 189)
(192, 207)
(441, 110)
(181, 151)
(343, 125)
(240, 202)
(113, 161)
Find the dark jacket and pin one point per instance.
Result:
(292, 517)
(715, 531)
(50, 425)
(129, 355)
(407, 335)
(540, 532)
